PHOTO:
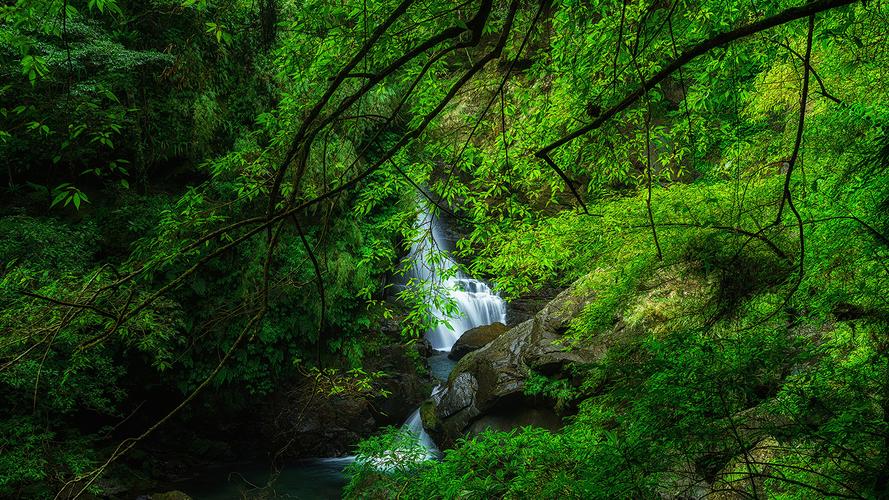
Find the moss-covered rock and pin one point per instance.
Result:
(429, 417)
(487, 388)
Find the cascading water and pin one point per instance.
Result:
(433, 268)
(477, 305)
(414, 425)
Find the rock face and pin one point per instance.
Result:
(525, 307)
(475, 339)
(486, 387)
(303, 420)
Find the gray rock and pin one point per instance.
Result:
(511, 418)
(492, 379)
(475, 339)
(525, 307)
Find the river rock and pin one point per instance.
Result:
(505, 418)
(486, 387)
(475, 339)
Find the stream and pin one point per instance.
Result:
(323, 478)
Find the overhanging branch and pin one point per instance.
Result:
(689, 55)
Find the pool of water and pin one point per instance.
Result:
(305, 479)
(440, 365)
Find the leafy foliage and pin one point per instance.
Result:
(215, 195)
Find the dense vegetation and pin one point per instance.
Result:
(207, 197)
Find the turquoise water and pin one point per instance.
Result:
(440, 365)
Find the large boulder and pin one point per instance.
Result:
(486, 388)
(475, 339)
(504, 418)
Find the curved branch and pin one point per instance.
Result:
(319, 280)
(808, 64)
(700, 49)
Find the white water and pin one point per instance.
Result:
(400, 456)
(432, 267)
(414, 425)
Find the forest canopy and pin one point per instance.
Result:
(208, 201)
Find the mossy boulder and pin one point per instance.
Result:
(428, 415)
(486, 389)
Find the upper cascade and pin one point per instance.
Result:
(477, 304)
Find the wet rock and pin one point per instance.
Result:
(488, 384)
(428, 415)
(525, 307)
(424, 348)
(408, 380)
(505, 418)
(475, 339)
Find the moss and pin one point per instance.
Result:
(429, 417)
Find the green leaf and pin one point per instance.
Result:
(59, 197)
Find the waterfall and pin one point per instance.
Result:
(414, 425)
(433, 267)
